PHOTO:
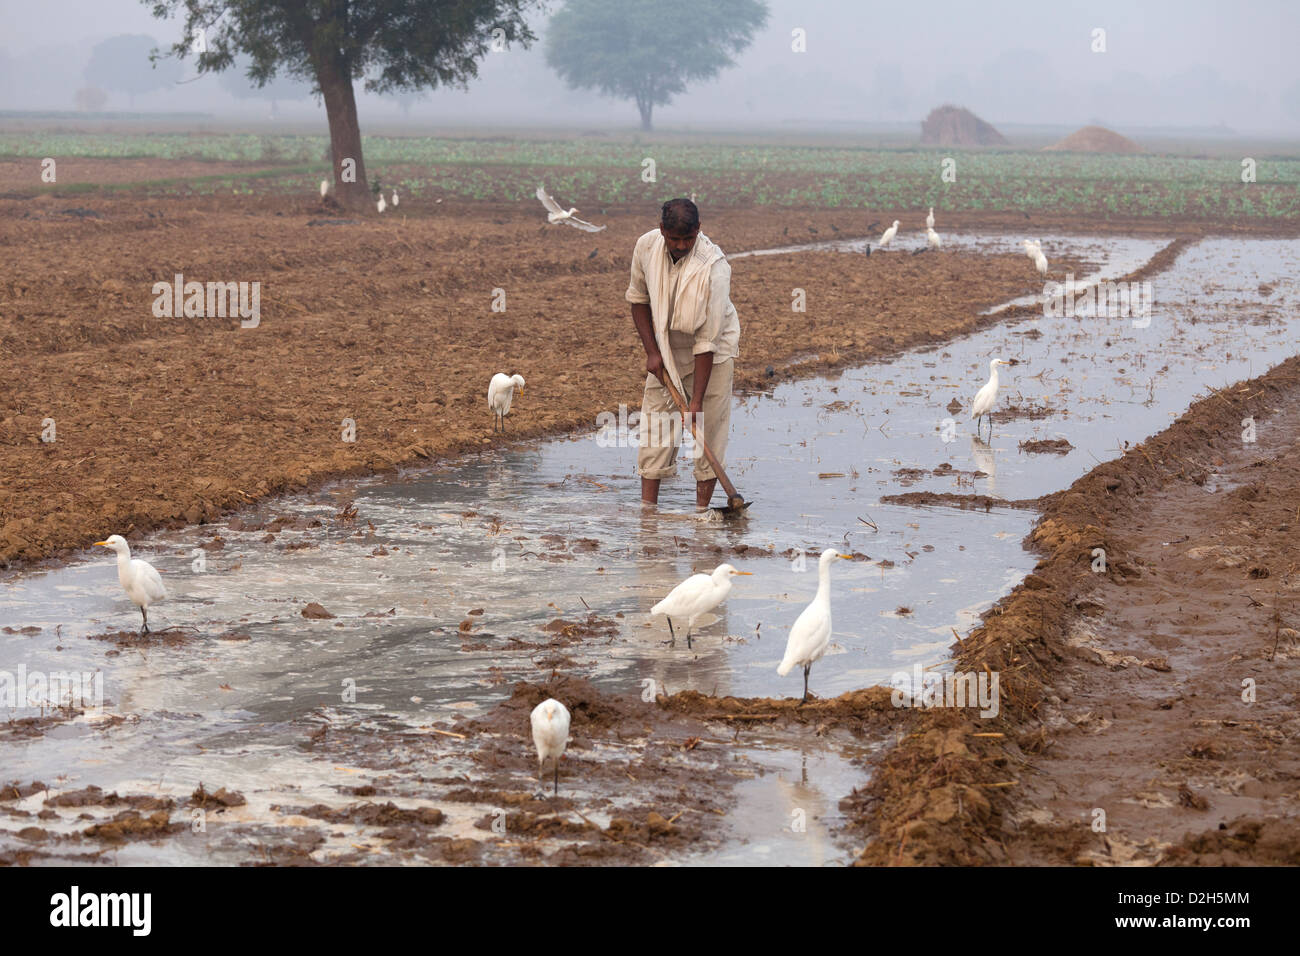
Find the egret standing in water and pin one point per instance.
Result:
(139, 579)
(695, 596)
(986, 396)
(932, 237)
(1034, 250)
(929, 220)
(888, 236)
(501, 393)
(811, 633)
(550, 735)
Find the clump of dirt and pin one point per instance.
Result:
(371, 814)
(592, 626)
(167, 637)
(1095, 139)
(1009, 412)
(590, 710)
(221, 799)
(1049, 446)
(17, 791)
(94, 796)
(1246, 841)
(862, 711)
(956, 126)
(132, 825)
(972, 502)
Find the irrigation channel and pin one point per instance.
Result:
(534, 531)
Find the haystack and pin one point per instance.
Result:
(1095, 139)
(955, 126)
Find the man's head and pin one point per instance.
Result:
(679, 225)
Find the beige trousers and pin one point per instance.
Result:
(660, 429)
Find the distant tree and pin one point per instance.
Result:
(389, 44)
(406, 100)
(90, 99)
(122, 63)
(1291, 100)
(648, 50)
(237, 84)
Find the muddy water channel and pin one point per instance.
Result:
(444, 585)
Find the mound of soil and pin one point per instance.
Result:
(1094, 139)
(955, 126)
(1124, 665)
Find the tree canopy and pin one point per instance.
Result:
(121, 63)
(648, 50)
(390, 45)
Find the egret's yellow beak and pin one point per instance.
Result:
(846, 557)
(101, 544)
(748, 574)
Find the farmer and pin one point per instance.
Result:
(681, 306)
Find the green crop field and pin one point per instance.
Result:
(598, 173)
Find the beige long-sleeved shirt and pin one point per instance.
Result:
(717, 330)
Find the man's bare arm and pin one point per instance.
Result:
(641, 318)
(703, 369)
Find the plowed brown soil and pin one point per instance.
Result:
(387, 322)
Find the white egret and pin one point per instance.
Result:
(986, 396)
(888, 236)
(550, 735)
(1032, 248)
(139, 579)
(394, 198)
(1040, 263)
(932, 237)
(929, 220)
(381, 205)
(554, 213)
(697, 595)
(324, 188)
(811, 633)
(501, 392)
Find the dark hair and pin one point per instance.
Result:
(680, 216)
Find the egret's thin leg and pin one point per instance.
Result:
(557, 776)
(806, 668)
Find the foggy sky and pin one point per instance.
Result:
(1167, 64)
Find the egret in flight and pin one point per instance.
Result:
(554, 213)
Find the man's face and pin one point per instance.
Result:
(679, 244)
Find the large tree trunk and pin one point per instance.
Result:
(345, 131)
(645, 116)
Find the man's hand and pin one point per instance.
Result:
(654, 364)
(694, 411)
